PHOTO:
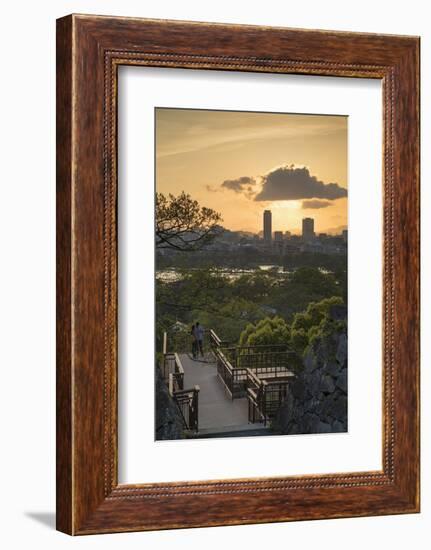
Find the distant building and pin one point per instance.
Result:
(344, 234)
(291, 248)
(278, 242)
(267, 226)
(307, 229)
(295, 239)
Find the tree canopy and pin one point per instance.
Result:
(268, 331)
(305, 327)
(182, 224)
(229, 304)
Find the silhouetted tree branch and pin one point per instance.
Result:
(182, 224)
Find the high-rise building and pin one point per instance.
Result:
(308, 229)
(267, 226)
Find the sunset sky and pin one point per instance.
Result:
(241, 163)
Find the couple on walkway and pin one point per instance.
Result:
(197, 333)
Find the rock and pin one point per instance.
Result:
(341, 381)
(328, 406)
(316, 401)
(341, 354)
(310, 423)
(293, 429)
(169, 424)
(299, 389)
(310, 363)
(323, 428)
(313, 383)
(327, 384)
(332, 368)
(340, 409)
(338, 427)
(338, 312)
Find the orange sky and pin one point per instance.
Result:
(197, 150)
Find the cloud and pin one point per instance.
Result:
(240, 185)
(314, 204)
(295, 183)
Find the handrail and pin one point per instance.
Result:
(259, 373)
(251, 374)
(165, 343)
(215, 338)
(188, 405)
(187, 400)
(265, 395)
(178, 363)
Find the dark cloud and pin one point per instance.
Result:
(292, 183)
(315, 203)
(239, 185)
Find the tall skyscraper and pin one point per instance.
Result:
(308, 229)
(267, 226)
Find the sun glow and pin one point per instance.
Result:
(199, 151)
(286, 205)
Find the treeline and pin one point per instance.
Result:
(230, 306)
(250, 258)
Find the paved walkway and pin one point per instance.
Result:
(217, 412)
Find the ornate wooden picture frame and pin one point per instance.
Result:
(89, 51)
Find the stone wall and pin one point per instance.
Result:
(317, 399)
(169, 424)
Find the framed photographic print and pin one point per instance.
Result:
(237, 274)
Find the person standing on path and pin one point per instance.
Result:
(199, 332)
(194, 342)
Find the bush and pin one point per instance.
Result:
(313, 323)
(268, 331)
(299, 340)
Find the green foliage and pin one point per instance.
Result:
(234, 306)
(325, 328)
(255, 286)
(315, 312)
(314, 323)
(298, 340)
(303, 286)
(230, 319)
(268, 331)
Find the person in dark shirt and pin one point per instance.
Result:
(199, 334)
(194, 342)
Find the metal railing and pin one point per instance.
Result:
(260, 373)
(182, 342)
(187, 400)
(265, 393)
(188, 404)
(234, 362)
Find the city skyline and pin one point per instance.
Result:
(308, 230)
(243, 163)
